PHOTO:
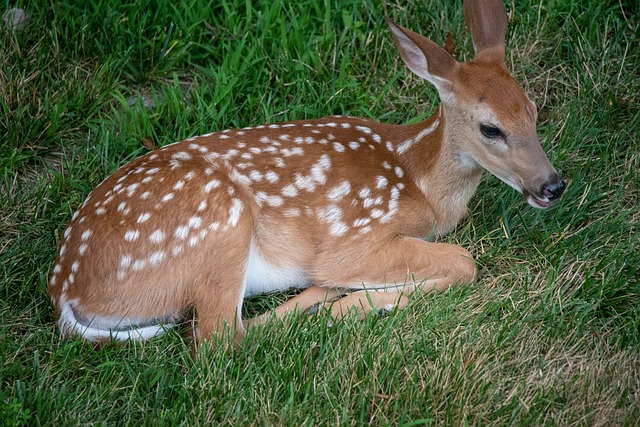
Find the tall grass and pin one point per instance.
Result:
(549, 333)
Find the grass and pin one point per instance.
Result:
(550, 332)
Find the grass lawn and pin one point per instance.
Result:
(549, 333)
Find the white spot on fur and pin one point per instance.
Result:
(289, 190)
(167, 197)
(144, 217)
(86, 235)
(365, 229)
(157, 257)
(202, 206)
(332, 215)
(338, 192)
(195, 222)
(214, 183)
(376, 213)
(338, 229)
(157, 236)
(255, 176)
(125, 261)
(304, 183)
(381, 182)
(361, 222)
(182, 232)
(181, 155)
(272, 177)
(239, 178)
(234, 212)
(138, 265)
(131, 235)
(274, 201)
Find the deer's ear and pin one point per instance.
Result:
(487, 21)
(425, 58)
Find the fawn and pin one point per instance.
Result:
(335, 204)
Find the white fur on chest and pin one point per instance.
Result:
(264, 277)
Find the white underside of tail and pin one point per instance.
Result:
(100, 328)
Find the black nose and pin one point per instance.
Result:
(554, 191)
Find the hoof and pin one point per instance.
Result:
(383, 312)
(314, 309)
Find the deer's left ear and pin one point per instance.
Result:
(487, 21)
(425, 58)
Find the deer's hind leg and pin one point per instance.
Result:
(304, 301)
(221, 272)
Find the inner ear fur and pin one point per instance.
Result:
(425, 58)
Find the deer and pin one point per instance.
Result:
(348, 210)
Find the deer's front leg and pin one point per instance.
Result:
(384, 278)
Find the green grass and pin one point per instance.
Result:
(549, 333)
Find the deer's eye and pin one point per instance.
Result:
(491, 132)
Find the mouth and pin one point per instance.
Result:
(536, 202)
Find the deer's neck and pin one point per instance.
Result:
(446, 176)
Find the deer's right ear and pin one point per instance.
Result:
(487, 21)
(425, 58)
